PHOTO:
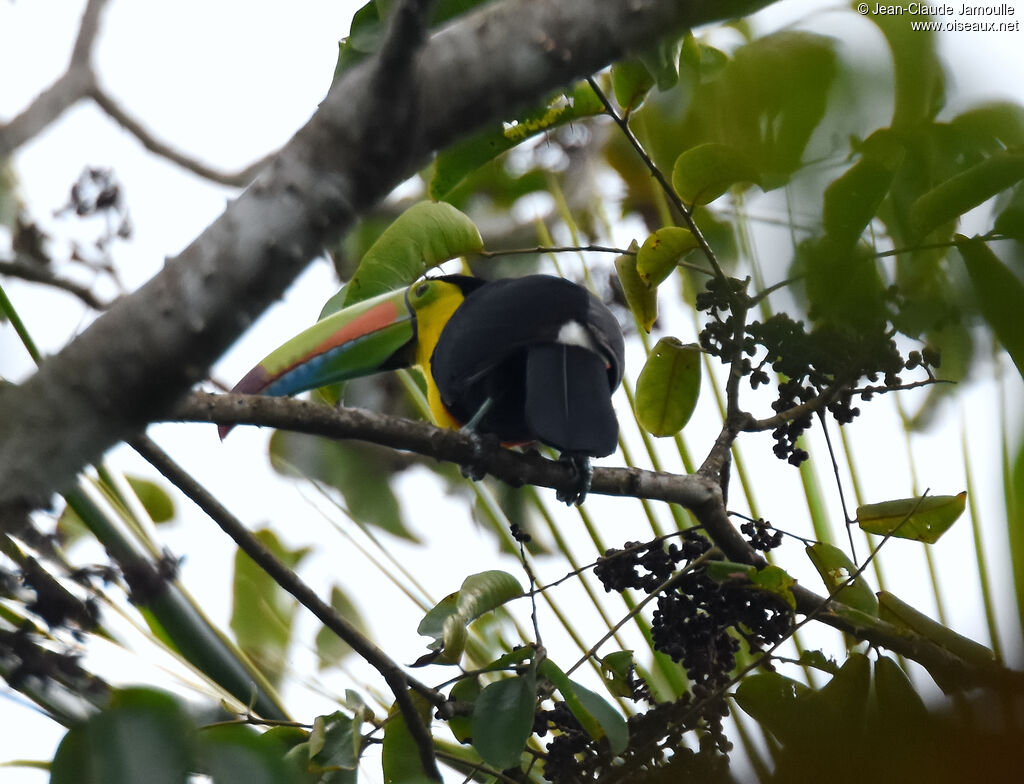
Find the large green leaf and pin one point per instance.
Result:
(668, 387)
(999, 294)
(422, 237)
(143, 736)
(921, 519)
(503, 719)
(262, 612)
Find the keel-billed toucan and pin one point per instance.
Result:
(524, 359)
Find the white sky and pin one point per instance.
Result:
(228, 82)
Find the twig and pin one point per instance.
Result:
(39, 274)
(164, 150)
(490, 254)
(670, 192)
(396, 678)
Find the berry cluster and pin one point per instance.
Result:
(826, 361)
(699, 622)
(760, 535)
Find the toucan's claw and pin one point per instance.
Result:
(584, 472)
(481, 444)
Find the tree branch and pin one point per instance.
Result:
(121, 116)
(37, 273)
(135, 361)
(73, 85)
(700, 493)
(396, 678)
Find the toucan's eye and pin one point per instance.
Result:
(422, 289)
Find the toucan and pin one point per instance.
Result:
(529, 359)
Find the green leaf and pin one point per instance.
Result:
(769, 578)
(921, 519)
(775, 580)
(917, 70)
(503, 719)
(466, 690)
(262, 612)
(641, 298)
(661, 253)
(239, 755)
(366, 32)
(616, 669)
(453, 164)
(770, 100)
(662, 60)
(335, 742)
(999, 294)
(631, 81)
(775, 701)
(400, 754)
(154, 499)
(897, 612)
(360, 472)
(858, 306)
(593, 712)
(613, 725)
(668, 387)
(143, 736)
(853, 199)
(835, 569)
(330, 648)
(422, 237)
(900, 708)
(958, 194)
(819, 661)
(703, 173)
(446, 622)
(1010, 220)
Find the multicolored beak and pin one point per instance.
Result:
(356, 341)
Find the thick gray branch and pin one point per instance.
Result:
(136, 360)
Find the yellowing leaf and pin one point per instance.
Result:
(668, 387)
(642, 299)
(662, 252)
(921, 519)
(836, 569)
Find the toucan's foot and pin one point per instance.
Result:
(482, 443)
(583, 471)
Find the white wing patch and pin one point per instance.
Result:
(573, 333)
